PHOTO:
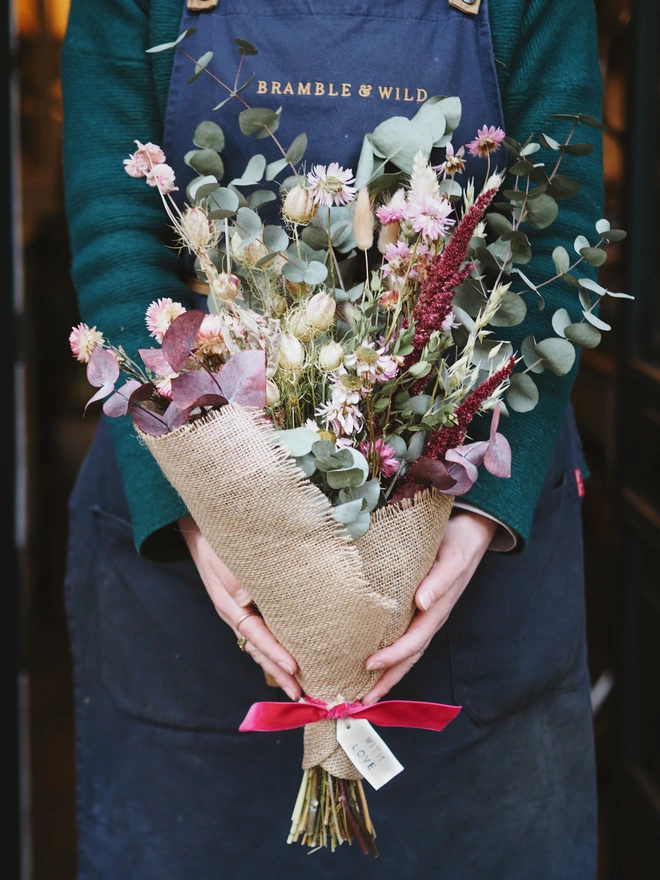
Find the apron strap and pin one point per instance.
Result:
(469, 6)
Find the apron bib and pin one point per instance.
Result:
(337, 69)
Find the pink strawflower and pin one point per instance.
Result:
(389, 298)
(454, 162)
(429, 215)
(398, 259)
(332, 185)
(83, 340)
(394, 210)
(160, 315)
(162, 176)
(383, 454)
(487, 141)
(210, 338)
(143, 159)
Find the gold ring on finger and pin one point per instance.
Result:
(241, 642)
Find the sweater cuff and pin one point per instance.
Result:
(504, 539)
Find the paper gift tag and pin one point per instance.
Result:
(367, 751)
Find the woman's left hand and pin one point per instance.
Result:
(465, 541)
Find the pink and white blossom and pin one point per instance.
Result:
(332, 185)
(487, 141)
(429, 215)
(143, 159)
(450, 323)
(398, 258)
(160, 315)
(83, 340)
(394, 210)
(162, 176)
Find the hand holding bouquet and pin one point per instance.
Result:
(316, 419)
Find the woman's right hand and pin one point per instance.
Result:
(231, 601)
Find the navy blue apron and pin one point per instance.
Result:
(168, 789)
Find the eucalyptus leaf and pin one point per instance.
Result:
(206, 162)
(200, 66)
(469, 298)
(530, 357)
(297, 149)
(549, 142)
(602, 226)
(558, 355)
(344, 479)
(498, 223)
(563, 187)
(275, 239)
(359, 526)
(315, 273)
(256, 120)
(188, 32)
(245, 47)
(577, 149)
(415, 447)
(201, 187)
(594, 256)
(583, 334)
(591, 285)
(274, 168)
(614, 234)
(399, 139)
(432, 116)
(542, 212)
(595, 321)
(580, 242)
(298, 441)
(248, 224)
(522, 395)
(254, 171)
(346, 513)
(511, 312)
(560, 321)
(561, 260)
(209, 135)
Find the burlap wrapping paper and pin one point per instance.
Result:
(331, 602)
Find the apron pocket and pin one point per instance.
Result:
(166, 656)
(518, 631)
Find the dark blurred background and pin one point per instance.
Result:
(616, 397)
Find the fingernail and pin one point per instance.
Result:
(375, 664)
(292, 695)
(285, 667)
(426, 600)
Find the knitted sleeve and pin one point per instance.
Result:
(120, 261)
(550, 65)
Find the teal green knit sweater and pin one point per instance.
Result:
(113, 92)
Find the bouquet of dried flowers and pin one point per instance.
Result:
(316, 417)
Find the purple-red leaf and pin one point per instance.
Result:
(155, 360)
(149, 422)
(102, 369)
(175, 417)
(497, 459)
(462, 469)
(197, 388)
(179, 340)
(432, 472)
(117, 405)
(407, 490)
(243, 379)
(100, 394)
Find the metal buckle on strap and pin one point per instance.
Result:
(201, 5)
(469, 6)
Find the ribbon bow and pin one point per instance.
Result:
(269, 716)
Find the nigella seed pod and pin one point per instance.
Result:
(251, 253)
(278, 305)
(291, 354)
(272, 393)
(331, 356)
(226, 286)
(300, 328)
(299, 205)
(320, 311)
(198, 231)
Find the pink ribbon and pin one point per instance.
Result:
(390, 713)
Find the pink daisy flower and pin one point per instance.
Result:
(398, 257)
(160, 315)
(450, 323)
(382, 454)
(394, 210)
(83, 340)
(487, 141)
(332, 185)
(429, 215)
(162, 176)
